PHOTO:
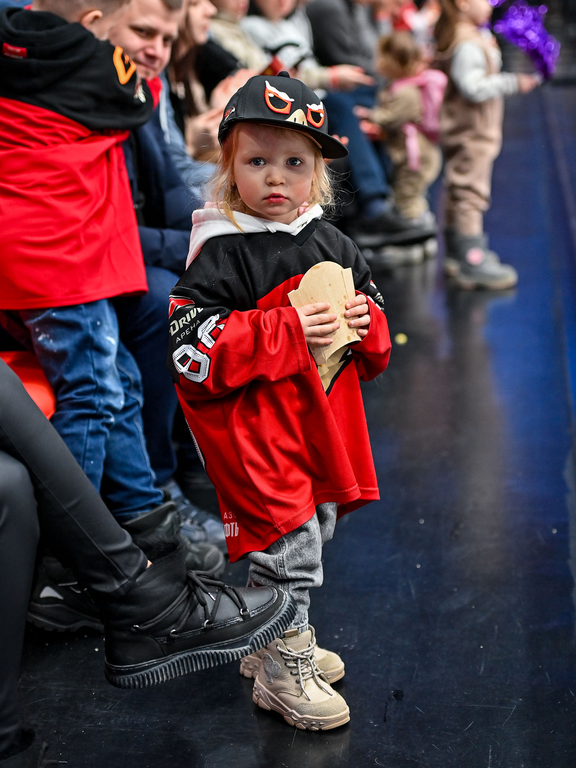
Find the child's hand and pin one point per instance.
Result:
(357, 310)
(373, 132)
(362, 112)
(346, 77)
(318, 327)
(527, 83)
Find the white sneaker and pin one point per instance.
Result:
(289, 682)
(329, 663)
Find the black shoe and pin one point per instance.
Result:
(479, 267)
(391, 228)
(59, 602)
(165, 521)
(174, 622)
(31, 753)
(391, 256)
(198, 525)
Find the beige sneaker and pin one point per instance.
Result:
(289, 682)
(329, 663)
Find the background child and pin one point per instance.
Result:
(471, 136)
(286, 455)
(408, 112)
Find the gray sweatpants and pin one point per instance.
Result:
(294, 562)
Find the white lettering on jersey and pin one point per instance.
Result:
(191, 363)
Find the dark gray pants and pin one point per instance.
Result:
(294, 562)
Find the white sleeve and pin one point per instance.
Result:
(468, 72)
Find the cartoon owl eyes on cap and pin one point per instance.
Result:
(316, 115)
(277, 100)
(280, 103)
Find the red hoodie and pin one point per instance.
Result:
(69, 232)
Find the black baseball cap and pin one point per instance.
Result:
(283, 101)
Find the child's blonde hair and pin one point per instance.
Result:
(224, 191)
(401, 53)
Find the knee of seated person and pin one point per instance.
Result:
(17, 502)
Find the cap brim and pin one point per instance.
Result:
(331, 148)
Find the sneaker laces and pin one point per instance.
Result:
(303, 664)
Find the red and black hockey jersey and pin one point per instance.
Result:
(275, 444)
(68, 232)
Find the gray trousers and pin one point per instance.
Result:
(294, 561)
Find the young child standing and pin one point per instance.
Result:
(471, 136)
(286, 453)
(408, 111)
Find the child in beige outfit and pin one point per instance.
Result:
(471, 137)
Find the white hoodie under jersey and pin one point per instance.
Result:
(210, 222)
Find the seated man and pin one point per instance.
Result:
(80, 247)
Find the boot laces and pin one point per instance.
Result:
(303, 664)
(200, 585)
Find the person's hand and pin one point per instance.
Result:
(226, 88)
(373, 131)
(202, 133)
(359, 314)
(362, 112)
(346, 77)
(318, 327)
(342, 140)
(527, 83)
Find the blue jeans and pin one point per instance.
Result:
(98, 401)
(144, 329)
(367, 173)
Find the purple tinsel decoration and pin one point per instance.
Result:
(522, 25)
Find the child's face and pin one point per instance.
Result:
(476, 11)
(274, 10)
(273, 170)
(388, 68)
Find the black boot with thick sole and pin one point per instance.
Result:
(176, 621)
(165, 521)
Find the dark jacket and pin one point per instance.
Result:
(163, 203)
(337, 36)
